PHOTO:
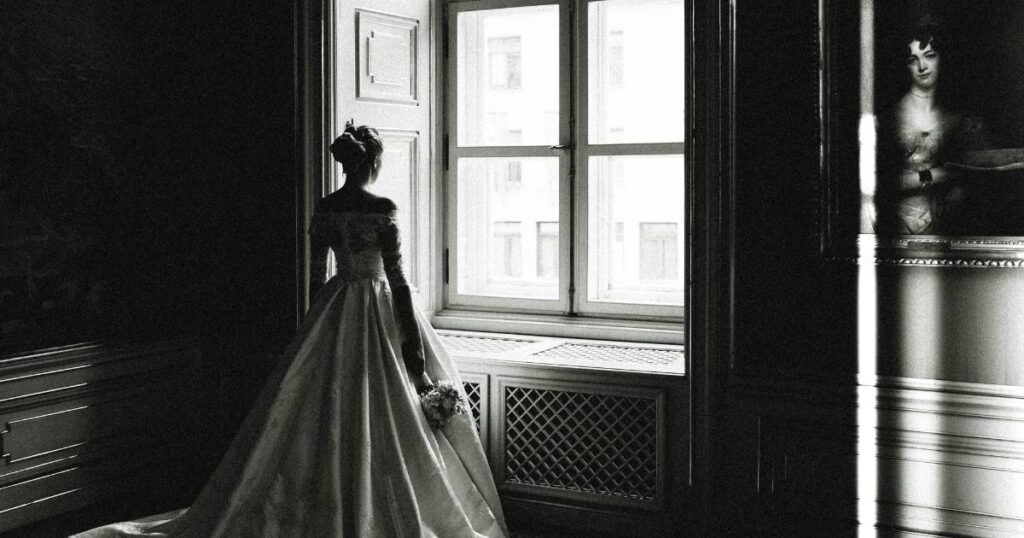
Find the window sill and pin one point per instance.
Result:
(642, 346)
(638, 331)
(545, 351)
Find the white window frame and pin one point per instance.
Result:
(453, 299)
(567, 315)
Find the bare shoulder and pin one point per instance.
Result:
(356, 202)
(384, 205)
(333, 202)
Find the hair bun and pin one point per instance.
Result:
(348, 151)
(357, 147)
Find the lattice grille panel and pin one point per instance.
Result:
(593, 443)
(473, 395)
(480, 344)
(613, 354)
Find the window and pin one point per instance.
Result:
(507, 248)
(514, 177)
(658, 248)
(547, 250)
(582, 168)
(505, 65)
(615, 58)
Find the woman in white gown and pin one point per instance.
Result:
(337, 444)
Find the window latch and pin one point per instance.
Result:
(561, 146)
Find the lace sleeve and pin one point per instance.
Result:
(319, 238)
(320, 229)
(391, 252)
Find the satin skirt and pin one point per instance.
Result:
(337, 445)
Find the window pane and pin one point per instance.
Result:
(636, 71)
(636, 216)
(547, 250)
(507, 76)
(507, 229)
(658, 251)
(507, 249)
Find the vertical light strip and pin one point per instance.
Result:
(866, 136)
(867, 293)
(867, 417)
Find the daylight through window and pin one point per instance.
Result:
(566, 199)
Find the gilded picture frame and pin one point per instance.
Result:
(922, 131)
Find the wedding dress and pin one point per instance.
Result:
(337, 444)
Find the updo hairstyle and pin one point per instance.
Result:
(926, 29)
(357, 148)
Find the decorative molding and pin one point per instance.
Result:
(383, 42)
(943, 521)
(400, 180)
(938, 251)
(78, 420)
(844, 387)
(64, 373)
(945, 262)
(949, 456)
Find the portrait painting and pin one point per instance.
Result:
(924, 126)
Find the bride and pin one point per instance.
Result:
(337, 443)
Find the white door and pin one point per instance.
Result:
(380, 76)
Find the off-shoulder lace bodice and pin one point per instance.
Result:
(365, 245)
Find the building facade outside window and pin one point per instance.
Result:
(593, 174)
(506, 62)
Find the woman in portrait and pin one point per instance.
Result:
(917, 192)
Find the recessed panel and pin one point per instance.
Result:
(398, 180)
(386, 57)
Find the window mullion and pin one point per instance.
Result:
(577, 124)
(568, 142)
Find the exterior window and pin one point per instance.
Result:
(507, 260)
(515, 174)
(547, 250)
(615, 58)
(658, 251)
(506, 62)
(508, 176)
(497, 127)
(595, 194)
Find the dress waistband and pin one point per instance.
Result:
(360, 265)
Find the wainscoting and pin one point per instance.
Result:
(919, 457)
(581, 434)
(92, 423)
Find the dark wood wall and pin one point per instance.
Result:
(794, 310)
(147, 185)
(792, 407)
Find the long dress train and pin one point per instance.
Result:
(336, 444)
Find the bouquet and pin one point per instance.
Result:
(441, 401)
